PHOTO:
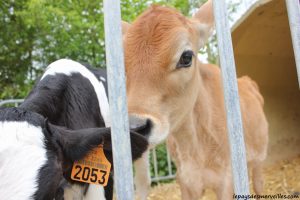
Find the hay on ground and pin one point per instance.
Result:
(280, 178)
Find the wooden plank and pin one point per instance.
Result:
(293, 8)
(232, 104)
(123, 174)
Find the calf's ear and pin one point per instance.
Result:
(204, 19)
(75, 144)
(125, 27)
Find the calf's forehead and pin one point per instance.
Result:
(156, 36)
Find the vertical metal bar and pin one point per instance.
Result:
(169, 162)
(293, 8)
(232, 105)
(123, 174)
(155, 163)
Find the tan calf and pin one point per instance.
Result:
(177, 96)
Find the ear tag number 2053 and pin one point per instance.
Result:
(93, 168)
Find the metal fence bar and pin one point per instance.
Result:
(11, 101)
(155, 163)
(232, 105)
(163, 178)
(293, 8)
(123, 173)
(169, 163)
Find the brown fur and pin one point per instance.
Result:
(190, 101)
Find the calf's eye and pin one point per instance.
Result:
(185, 59)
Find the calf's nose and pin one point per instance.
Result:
(136, 122)
(140, 124)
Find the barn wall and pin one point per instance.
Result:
(263, 50)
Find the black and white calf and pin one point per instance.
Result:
(35, 155)
(72, 95)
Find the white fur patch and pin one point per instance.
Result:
(22, 154)
(67, 67)
(159, 132)
(73, 192)
(95, 192)
(102, 79)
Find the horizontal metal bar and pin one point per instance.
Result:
(163, 178)
(9, 101)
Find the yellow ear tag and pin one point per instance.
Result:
(93, 168)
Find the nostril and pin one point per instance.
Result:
(147, 128)
(140, 125)
(144, 129)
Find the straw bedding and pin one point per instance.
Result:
(282, 177)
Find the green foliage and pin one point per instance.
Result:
(34, 33)
(71, 29)
(132, 8)
(162, 163)
(16, 49)
(182, 5)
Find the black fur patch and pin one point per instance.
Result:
(71, 101)
(18, 115)
(66, 101)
